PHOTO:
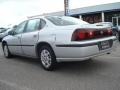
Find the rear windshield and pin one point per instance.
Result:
(64, 20)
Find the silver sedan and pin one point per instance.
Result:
(54, 39)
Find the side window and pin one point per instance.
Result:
(32, 25)
(20, 28)
(42, 23)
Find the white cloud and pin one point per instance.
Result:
(12, 11)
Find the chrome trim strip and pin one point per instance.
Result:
(19, 45)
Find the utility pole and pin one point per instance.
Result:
(66, 7)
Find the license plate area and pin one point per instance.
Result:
(105, 44)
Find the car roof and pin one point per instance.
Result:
(34, 17)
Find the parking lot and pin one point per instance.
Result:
(100, 73)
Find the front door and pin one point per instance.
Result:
(15, 41)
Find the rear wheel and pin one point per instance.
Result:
(0, 39)
(6, 51)
(47, 58)
(117, 35)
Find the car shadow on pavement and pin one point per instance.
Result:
(25, 60)
(87, 66)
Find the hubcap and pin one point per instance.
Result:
(46, 58)
(5, 50)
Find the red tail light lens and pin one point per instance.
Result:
(86, 34)
(110, 32)
(81, 35)
(91, 34)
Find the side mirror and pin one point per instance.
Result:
(11, 32)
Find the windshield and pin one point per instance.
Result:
(65, 20)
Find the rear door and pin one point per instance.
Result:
(30, 37)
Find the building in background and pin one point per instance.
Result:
(99, 13)
(94, 14)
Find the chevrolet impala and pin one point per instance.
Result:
(54, 39)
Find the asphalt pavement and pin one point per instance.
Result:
(100, 73)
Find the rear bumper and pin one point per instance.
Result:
(78, 52)
(84, 57)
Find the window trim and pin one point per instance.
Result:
(26, 21)
(27, 25)
(40, 24)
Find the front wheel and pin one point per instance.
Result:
(6, 51)
(47, 58)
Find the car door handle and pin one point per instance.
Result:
(34, 35)
(18, 37)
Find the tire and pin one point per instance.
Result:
(47, 58)
(117, 35)
(0, 39)
(6, 51)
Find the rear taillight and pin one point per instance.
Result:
(110, 32)
(86, 34)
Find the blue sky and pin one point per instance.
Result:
(13, 11)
